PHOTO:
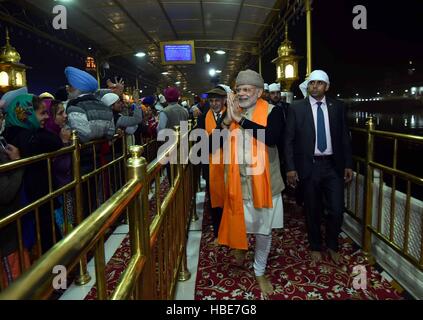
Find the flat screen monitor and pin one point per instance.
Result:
(177, 52)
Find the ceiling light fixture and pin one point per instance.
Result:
(220, 52)
(165, 73)
(212, 72)
(140, 54)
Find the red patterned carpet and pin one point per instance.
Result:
(289, 268)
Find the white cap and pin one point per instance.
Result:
(162, 99)
(274, 87)
(109, 99)
(266, 87)
(316, 75)
(225, 87)
(184, 104)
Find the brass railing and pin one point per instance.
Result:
(370, 177)
(157, 239)
(76, 190)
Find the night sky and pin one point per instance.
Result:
(364, 61)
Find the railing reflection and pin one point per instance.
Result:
(384, 197)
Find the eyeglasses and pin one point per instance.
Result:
(247, 90)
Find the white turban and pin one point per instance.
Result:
(274, 87)
(162, 99)
(266, 87)
(109, 99)
(316, 75)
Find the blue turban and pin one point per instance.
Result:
(81, 80)
(149, 100)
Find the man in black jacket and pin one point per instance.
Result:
(275, 99)
(318, 155)
(210, 121)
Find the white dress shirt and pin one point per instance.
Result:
(216, 115)
(324, 107)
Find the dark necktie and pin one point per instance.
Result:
(321, 130)
(217, 117)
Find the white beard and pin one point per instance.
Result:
(251, 104)
(74, 94)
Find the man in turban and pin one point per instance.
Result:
(174, 113)
(318, 155)
(86, 113)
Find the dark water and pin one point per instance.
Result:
(396, 116)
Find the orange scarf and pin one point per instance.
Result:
(217, 171)
(232, 231)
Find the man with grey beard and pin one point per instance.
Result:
(253, 202)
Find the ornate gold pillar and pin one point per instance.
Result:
(309, 35)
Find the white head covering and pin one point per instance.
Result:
(274, 87)
(109, 99)
(316, 75)
(46, 95)
(162, 99)
(266, 87)
(184, 104)
(225, 87)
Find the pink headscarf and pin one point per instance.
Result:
(50, 125)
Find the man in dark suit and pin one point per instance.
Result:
(318, 155)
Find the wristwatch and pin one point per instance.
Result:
(224, 123)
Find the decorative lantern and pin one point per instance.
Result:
(286, 64)
(12, 72)
(90, 64)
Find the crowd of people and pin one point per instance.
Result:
(305, 146)
(36, 124)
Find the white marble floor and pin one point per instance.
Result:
(185, 290)
(75, 292)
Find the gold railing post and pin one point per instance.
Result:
(83, 277)
(367, 221)
(136, 168)
(193, 188)
(178, 153)
(309, 36)
(182, 229)
(184, 274)
(100, 267)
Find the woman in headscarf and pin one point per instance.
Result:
(26, 117)
(62, 165)
(10, 184)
